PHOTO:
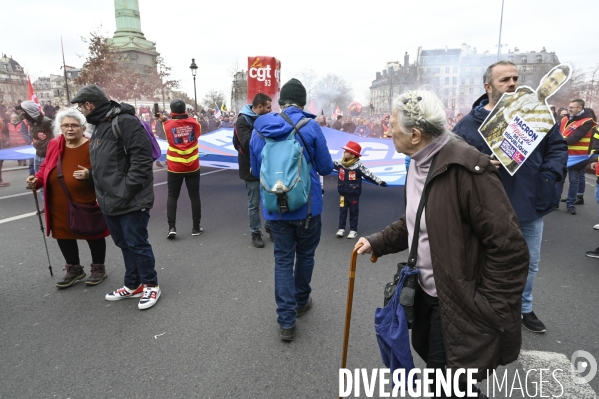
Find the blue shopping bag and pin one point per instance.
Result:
(392, 331)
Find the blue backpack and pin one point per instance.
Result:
(285, 173)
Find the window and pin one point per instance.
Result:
(524, 59)
(437, 60)
(438, 70)
(534, 68)
(524, 68)
(447, 80)
(455, 69)
(453, 92)
(471, 81)
(461, 100)
(437, 81)
(463, 81)
(455, 80)
(522, 79)
(446, 69)
(539, 58)
(471, 90)
(446, 92)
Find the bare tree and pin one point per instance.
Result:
(104, 67)
(332, 91)
(213, 98)
(309, 79)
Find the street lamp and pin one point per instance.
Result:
(194, 69)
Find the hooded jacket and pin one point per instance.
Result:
(41, 127)
(243, 131)
(532, 188)
(121, 170)
(479, 258)
(275, 127)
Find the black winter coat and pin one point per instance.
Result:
(243, 130)
(121, 171)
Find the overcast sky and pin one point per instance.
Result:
(351, 39)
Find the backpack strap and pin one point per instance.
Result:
(296, 128)
(116, 130)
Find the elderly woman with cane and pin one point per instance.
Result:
(471, 255)
(64, 176)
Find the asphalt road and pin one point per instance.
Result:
(213, 333)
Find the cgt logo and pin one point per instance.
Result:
(260, 74)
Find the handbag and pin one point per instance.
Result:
(82, 219)
(408, 270)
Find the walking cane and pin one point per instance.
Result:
(39, 215)
(350, 299)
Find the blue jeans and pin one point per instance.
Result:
(532, 231)
(253, 187)
(353, 205)
(130, 233)
(573, 180)
(37, 162)
(581, 183)
(597, 193)
(294, 244)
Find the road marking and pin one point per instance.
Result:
(25, 215)
(15, 195)
(10, 219)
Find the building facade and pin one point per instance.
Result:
(392, 81)
(13, 81)
(239, 91)
(455, 75)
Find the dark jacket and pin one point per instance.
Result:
(479, 258)
(41, 130)
(349, 127)
(532, 188)
(337, 125)
(121, 171)
(243, 131)
(275, 127)
(349, 182)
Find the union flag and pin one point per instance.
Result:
(32, 96)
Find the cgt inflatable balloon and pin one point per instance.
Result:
(355, 108)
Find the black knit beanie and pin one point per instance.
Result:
(293, 92)
(177, 106)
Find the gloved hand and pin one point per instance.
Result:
(383, 184)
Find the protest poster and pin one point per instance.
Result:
(520, 120)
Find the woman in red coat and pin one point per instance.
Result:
(73, 149)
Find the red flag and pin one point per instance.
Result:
(337, 112)
(32, 96)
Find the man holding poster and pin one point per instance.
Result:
(519, 121)
(531, 189)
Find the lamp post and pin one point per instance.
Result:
(194, 69)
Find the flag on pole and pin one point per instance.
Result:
(224, 106)
(337, 112)
(32, 96)
(216, 111)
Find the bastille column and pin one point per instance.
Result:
(129, 40)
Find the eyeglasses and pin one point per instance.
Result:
(70, 126)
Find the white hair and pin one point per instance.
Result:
(68, 113)
(423, 110)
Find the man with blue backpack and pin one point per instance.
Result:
(287, 153)
(261, 104)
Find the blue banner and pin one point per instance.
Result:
(216, 150)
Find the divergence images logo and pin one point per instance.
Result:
(583, 362)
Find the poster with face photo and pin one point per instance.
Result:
(520, 120)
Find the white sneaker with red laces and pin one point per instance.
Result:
(149, 297)
(124, 292)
